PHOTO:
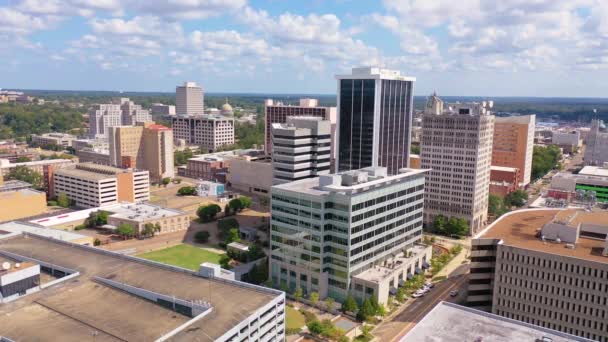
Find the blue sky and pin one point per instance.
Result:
(465, 47)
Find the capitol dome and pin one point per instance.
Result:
(226, 108)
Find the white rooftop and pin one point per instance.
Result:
(141, 212)
(451, 322)
(355, 181)
(16, 228)
(371, 72)
(594, 171)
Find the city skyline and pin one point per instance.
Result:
(545, 48)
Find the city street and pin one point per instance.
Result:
(396, 328)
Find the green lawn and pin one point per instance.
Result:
(294, 318)
(185, 256)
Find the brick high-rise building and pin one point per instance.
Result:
(277, 113)
(514, 143)
(457, 147)
(189, 99)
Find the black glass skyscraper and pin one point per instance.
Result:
(374, 119)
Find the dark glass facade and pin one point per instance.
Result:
(395, 122)
(357, 102)
(356, 128)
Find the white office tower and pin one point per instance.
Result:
(457, 146)
(300, 149)
(132, 113)
(374, 119)
(189, 99)
(102, 116)
(354, 232)
(597, 144)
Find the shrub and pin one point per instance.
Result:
(308, 316)
(292, 331)
(208, 212)
(186, 191)
(51, 203)
(201, 237)
(96, 242)
(80, 227)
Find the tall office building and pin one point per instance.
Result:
(547, 267)
(353, 232)
(596, 152)
(102, 116)
(207, 131)
(132, 113)
(374, 119)
(513, 144)
(146, 146)
(124, 113)
(277, 112)
(457, 147)
(300, 149)
(189, 99)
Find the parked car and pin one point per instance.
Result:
(417, 295)
(454, 293)
(429, 284)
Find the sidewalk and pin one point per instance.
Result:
(454, 263)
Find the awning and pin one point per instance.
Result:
(418, 271)
(425, 265)
(410, 276)
(393, 290)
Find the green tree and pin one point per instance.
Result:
(544, 159)
(415, 149)
(496, 206)
(314, 298)
(148, 230)
(208, 212)
(63, 200)
(181, 157)
(165, 181)
(235, 205)
(315, 327)
(225, 262)
(457, 226)
(329, 304)
(232, 236)
(381, 310)
(366, 311)
(245, 202)
(350, 304)
(440, 224)
(125, 230)
(517, 198)
(97, 219)
(400, 296)
(25, 174)
(298, 294)
(186, 191)
(97, 242)
(202, 236)
(23, 159)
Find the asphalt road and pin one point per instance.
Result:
(396, 328)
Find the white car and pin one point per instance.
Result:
(417, 295)
(429, 285)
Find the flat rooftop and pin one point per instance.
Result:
(520, 228)
(79, 307)
(16, 228)
(83, 174)
(594, 171)
(142, 211)
(373, 177)
(451, 322)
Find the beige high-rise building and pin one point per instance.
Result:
(547, 267)
(457, 148)
(514, 143)
(147, 146)
(207, 131)
(189, 99)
